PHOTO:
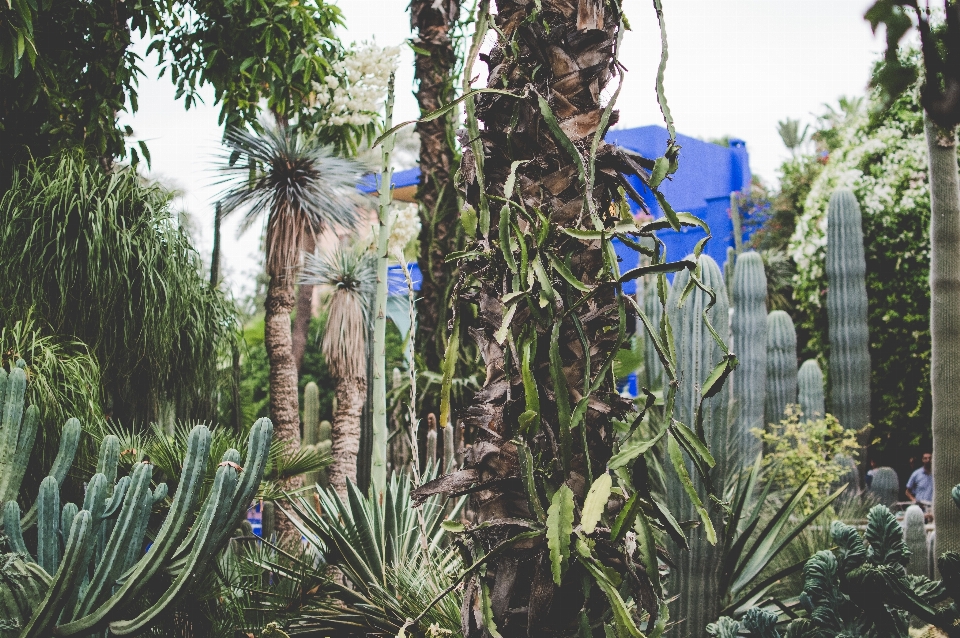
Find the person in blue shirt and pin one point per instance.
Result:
(920, 485)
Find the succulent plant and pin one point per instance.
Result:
(781, 365)
(749, 327)
(847, 313)
(915, 536)
(810, 390)
(90, 566)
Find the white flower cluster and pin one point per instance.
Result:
(885, 167)
(404, 226)
(354, 93)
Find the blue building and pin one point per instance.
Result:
(708, 174)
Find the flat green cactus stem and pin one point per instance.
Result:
(810, 387)
(781, 365)
(847, 313)
(749, 330)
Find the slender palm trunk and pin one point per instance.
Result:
(301, 323)
(345, 435)
(439, 210)
(944, 329)
(284, 399)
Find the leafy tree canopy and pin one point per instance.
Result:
(67, 69)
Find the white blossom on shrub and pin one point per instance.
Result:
(355, 91)
(404, 226)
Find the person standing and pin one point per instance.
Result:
(920, 486)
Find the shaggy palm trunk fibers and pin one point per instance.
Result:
(544, 353)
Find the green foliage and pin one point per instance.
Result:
(861, 587)
(884, 161)
(84, 552)
(100, 258)
(60, 90)
(393, 556)
(559, 528)
(805, 451)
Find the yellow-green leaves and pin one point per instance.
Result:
(559, 528)
(595, 502)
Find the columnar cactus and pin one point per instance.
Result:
(93, 558)
(268, 520)
(781, 365)
(650, 302)
(749, 328)
(449, 449)
(847, 313)
(312, 431)
(431, 439)
(728, 271)
(885, 486)
(697, 578)
(810, 386)
(915, 536)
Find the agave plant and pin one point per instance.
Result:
(347, 273)
(369, 565)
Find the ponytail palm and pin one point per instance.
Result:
(348, 274)
(303, 189)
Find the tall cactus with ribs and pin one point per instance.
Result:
(553, 437)
(90, 571)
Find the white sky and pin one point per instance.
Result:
(736, 67)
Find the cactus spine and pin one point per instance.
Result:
(781, 365)
(697, 578)
(810, 386)
(915, 536)
(749, 328)
(847, 313)
(885, 486)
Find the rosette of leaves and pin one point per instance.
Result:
(568, 528)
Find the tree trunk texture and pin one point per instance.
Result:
(564, 54)
(440, 233)
(301, 323)
(345, 433)
(284, 398)
(944, 329)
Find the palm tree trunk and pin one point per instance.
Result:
(301, 323)
(284, 399)
(556, 351)
(437, 196)
(345, 435)
(944, 329)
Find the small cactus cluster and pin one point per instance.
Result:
(89, 567)
(316, 433)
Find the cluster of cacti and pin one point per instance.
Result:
(810, 390)
(316, 433)
(915, 536)
(847, 313)
(885, 486)
(696, 578)
(871, 585)
(89, 566)
(748, 326)
(781, 365)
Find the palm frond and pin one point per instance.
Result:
(347, 274)
(302, 186)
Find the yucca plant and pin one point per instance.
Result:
(370, 565)
(303, 189)
(348, 276)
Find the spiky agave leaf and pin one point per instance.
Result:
(302, 186)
